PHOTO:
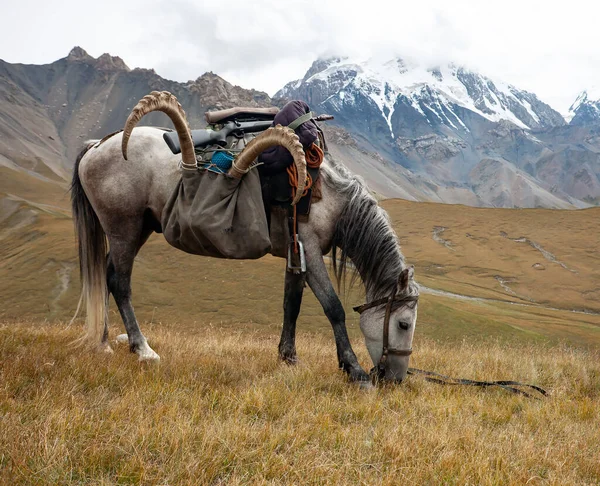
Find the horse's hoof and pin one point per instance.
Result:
(290, 360)
(149, 358)
(288, 355)
(105, 348)
(359, 376)
(366, 385)
(122, 339)
(147, 354)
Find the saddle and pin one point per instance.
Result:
(235, 127)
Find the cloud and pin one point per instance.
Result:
(547, 48)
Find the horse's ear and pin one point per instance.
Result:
(405, 277)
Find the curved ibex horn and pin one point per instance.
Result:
(278, 135)
(168, 104)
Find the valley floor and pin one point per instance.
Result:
(220, 409)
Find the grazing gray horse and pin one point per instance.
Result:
(120, 187)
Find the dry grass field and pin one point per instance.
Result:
(220, 409)
(499, 291)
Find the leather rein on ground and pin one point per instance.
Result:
(431, 376)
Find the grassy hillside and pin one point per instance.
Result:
(544, 256)
(523, 271)
(499, 290)
(220, 409)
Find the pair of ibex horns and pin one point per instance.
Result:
(168, 104)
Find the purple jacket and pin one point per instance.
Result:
(277, 159)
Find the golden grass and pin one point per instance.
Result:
(479, 253)
(220, 409)
(39, 280)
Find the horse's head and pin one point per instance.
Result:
(388, 325)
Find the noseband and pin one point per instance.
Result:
(380, 368)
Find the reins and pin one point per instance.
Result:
(507, 385)
(431, 376)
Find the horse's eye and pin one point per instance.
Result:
(405, 326)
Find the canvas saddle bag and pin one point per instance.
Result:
(211, 213)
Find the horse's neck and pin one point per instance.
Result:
(361, 230)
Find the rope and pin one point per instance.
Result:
(314, 158)
(504, 384)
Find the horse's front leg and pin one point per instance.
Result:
(320, 283)
(292, 300)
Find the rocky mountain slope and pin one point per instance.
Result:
(460, 129)
(56, 107)
(442, 134)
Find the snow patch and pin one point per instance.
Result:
(438, 89)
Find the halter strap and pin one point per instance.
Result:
(386, 325)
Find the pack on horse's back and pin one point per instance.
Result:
(205, 205)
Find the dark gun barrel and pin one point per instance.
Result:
(204, 137)
(323, 117)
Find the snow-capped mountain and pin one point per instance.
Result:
(463, 136)
(446, 135)
(443, 98)
(586, 108)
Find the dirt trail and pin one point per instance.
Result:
(443, 293)
(436, 235)
(547, 255)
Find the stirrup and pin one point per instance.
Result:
(292, 259)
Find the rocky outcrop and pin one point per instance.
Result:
(216, 93)
(586, 109)
(432, 147)
(106, 62)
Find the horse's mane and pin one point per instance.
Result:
(364, 235)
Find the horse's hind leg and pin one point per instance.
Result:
(120, 266)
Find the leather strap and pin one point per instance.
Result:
(507, 385)
(389, 301)
(300, 120)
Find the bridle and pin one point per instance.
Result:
(380, 368)
(378, 372)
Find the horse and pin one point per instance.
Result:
(120, 186)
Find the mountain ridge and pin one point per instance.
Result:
(442, 122)
(406, 137)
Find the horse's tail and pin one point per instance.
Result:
(92, 258)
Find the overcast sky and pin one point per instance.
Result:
(552, 49)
